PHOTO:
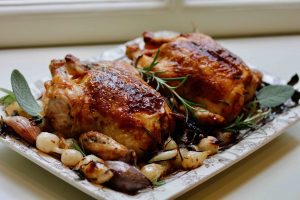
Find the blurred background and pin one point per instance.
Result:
(27, 23)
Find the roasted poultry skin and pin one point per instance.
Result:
(108, 97)
(217, 79)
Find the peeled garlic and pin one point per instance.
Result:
(48, 142)
(165, 155)
(153, 171)
(71, 157)
(209, 144)
(88, 159)
(170, 144)
(193, 159)
(94, 169)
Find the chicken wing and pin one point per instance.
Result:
(217, 79)
(107, 97)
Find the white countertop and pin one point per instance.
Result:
(273, 172)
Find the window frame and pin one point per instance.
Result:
(69, 22)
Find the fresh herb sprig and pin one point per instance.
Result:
(23, 94)
(152, 76)
(76, 146)
(8, 99)
(247, 122)
(268, 97)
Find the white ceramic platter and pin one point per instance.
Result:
(175, 185)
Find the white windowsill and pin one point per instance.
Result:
(40, 23)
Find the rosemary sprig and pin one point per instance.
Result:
(75, 146)
(151, 76)
(251, 121)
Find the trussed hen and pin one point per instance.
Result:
(217, 79)
(107, 97)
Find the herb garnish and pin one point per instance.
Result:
(162, 83)
(268, 97)
(248, 122)
(274, 95)
(159, 183)
(23, 94)
(7, 99)
(75, 146)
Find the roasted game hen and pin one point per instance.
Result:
(107, 97)
(217, 79)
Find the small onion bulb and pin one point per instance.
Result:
(71, 157)
(48, 143)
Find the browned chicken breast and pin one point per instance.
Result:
(217, 79)
(107, 97)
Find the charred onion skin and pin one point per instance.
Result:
(126, 178)
(23, 127)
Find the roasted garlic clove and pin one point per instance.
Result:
(153, 171)
(103, 146)
(23, 128)
(165, 155)
(96, 172)
(88, 159)
(210, 144)
(193, 159)
(170, 144)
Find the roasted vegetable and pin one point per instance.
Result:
(154, 171)
(71, 157)
(103, 146)
(165, 155)
(23, 128)
(126, 178)
(210, 144)
(48, 143)
(193, 159)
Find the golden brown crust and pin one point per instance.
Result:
(108, 98)
(218, 79)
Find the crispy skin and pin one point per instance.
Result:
(107, 97)
(218, 79)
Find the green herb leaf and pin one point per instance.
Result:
(274, 95)
(77, 147)
(23, 94)
(149, 76)
(153, 63)
(6, 91)
(249, 122)
(159, 183)
(8, 99)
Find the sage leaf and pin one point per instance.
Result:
(274, 95)
(23, 94)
